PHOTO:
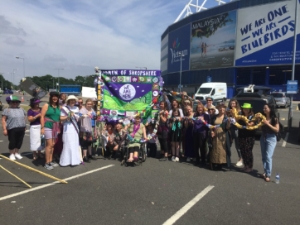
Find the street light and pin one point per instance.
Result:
(23, 65)
(138, 67)
(181, 55)
(58, 69)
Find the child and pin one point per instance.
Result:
(151, 145)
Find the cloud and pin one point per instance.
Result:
(8, 28)
(14, 41)
(79, 35)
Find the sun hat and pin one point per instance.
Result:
(12, 98)
(34, 101)
(246, 106)
(72, 97)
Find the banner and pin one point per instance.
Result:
(178, 47)
(213, 42)
(265, 34)
(32, 89)
(127, 92)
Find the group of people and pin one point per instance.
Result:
(64, 130)
(207, 134)
(68, 128)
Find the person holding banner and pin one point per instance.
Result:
(218, 154)
(268, 140)
(176, 129)
(33, 116)
(14, 126)
(50, 127)
(137, 131)
(163, 130)
(200, 133)
(71, 153)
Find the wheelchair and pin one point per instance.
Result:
(142, 155)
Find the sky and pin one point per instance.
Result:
(71, 37)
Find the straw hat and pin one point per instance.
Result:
(72, 97)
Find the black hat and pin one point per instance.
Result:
(54, 93)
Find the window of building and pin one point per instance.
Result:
(243, 76)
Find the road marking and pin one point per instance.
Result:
(188, 206)
(1, 140)
(53, 183)
(282, 118)
(285, 140)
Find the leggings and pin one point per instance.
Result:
(163, 144)
(199, 142)
(246, 146)
(15, 137)
(152, 149)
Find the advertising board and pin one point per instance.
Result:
(179, 44)
(213, 41)
(265, 34)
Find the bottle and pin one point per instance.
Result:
(277, 178)
(43, 141)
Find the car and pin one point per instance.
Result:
(7, 91)
(257, 96)
(282, 100)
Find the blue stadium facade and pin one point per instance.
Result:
(242, 42)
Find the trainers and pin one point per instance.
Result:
(12, 157)
(173, 159)
(18, 156)
(176, 159)
(164, 159)
(48, 166)
(239, 163)
(53, 164)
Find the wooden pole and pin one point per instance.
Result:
(35, 170)
(15, 176)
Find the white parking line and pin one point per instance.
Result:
(285, 140)
(188, 206)
(53, 183)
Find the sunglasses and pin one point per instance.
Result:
(211, 109)
(80, 102)
(14, 102)
(208, 100)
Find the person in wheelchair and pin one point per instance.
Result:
(137, 131)
(120, 137)
(109, 135)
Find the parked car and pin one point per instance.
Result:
(282, 100)
(8, 92)
(257, 96)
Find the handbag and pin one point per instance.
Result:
(278, 136)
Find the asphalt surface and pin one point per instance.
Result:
(153, 192)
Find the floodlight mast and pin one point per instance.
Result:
(191, 8)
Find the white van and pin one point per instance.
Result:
(218, 91)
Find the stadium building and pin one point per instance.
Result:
(241, 42)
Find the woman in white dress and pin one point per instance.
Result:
(69, 116)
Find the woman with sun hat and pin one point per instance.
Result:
(14, 126)
(34, 117)
(246, 138)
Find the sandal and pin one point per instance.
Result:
(35, 157)
(263, 176)
(267, 179)
(129, 160)
(135, 159)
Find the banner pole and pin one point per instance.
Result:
(290, 119)
(15, 176)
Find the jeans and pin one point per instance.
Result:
(267, 145)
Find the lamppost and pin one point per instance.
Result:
(138, 67)
(180, 86)
(23, 65)
(58, 69)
